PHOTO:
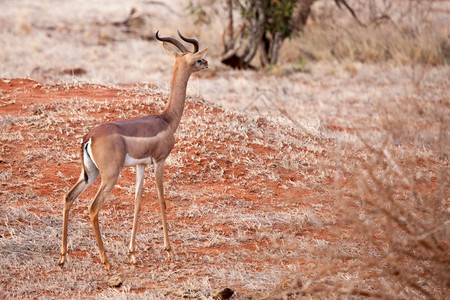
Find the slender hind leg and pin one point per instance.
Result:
(159, 170)
(137, 207)
(103, 192)
(82, 184)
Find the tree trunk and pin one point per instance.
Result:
(257, 33)
(276, 44)
(228, 33)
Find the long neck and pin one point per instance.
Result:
(177, 96)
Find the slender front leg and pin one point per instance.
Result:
(137, 207)
(159, 170)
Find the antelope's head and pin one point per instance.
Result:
(194, 61)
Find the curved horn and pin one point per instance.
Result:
(173, 41)
(189, 40)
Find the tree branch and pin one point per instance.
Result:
(344, 2)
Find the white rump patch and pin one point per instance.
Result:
(131, 161)
(88, 159)
(89, 164)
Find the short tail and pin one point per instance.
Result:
(86, 176)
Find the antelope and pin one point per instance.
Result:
(109, 147)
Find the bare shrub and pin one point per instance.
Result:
(391, 190)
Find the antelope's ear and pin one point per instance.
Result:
(200, 54)
(169, 49)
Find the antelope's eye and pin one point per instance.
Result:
(199, 61)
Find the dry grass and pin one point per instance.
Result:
(391, 197)
(399, 32)
(239, 204)
(329, 183)
(220, 227)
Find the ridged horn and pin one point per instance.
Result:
(189, 40)
(173, 41)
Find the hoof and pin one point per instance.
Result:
(169, 253)
(107, 265)
(105, 261)
(132, 259)
(62, 260)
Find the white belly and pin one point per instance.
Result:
(131, 161)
